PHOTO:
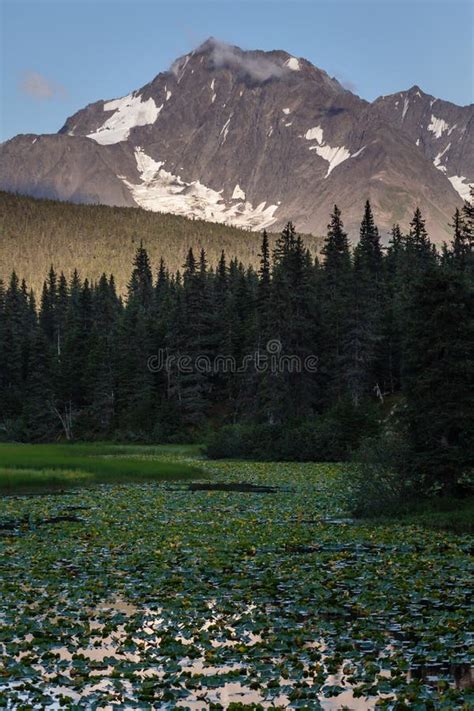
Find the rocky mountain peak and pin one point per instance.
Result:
(255, 138)
(254, 67)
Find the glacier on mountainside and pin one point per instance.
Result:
(161, 191)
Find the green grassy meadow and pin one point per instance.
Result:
(43, 466)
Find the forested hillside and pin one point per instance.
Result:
(35, 234)
(299, 358)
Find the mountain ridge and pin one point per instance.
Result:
(255, 139)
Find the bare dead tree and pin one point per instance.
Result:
(65, 417)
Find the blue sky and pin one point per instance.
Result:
(58, 55)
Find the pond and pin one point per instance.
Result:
(167, 596)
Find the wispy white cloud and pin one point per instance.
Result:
(259, 69)
(256, 67)
(40, 87)
(350, 85)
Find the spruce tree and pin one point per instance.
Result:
(420, 251)
(99, 374)
(393, 326)
(438, 377)
(49, 315)
(365, 331)
(336, 293)
(468, 216)
(264, 292)
(40, 413)
(462, 245)
(199, 332)
(135, 397)
(140, 286)
(15, 348)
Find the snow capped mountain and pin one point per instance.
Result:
(254, 139)
(443, 131)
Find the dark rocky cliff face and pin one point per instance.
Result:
(442, 131)
(255, 139)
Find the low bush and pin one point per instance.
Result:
(381, 478)
(329, 438)
(388, 480)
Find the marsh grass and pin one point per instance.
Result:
(444, 513)
(48, 466)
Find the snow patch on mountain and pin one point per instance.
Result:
(161, 191)
(130, 111)
(461, 186)
(238, 193)
(179, 66)
(293, 64)
(286, 111)
(437, 160)
(146, 166)
(334, 155)
(314, 134)
(437, 126)
(406, 104)
(225, 129)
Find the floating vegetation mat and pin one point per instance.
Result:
(142, 596)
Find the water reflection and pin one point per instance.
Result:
(199, 678)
